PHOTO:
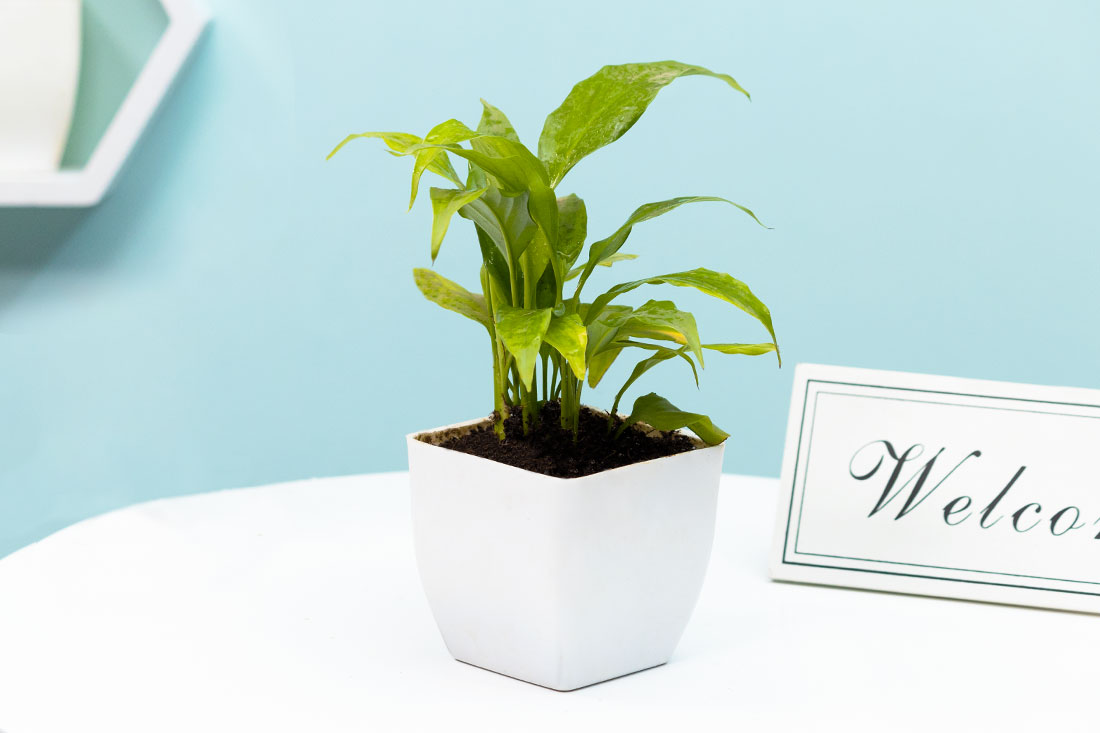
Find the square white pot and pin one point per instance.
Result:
(561, 582)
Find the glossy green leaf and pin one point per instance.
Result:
(682, 352)
(516, 171)
(602, 333)
(450, 131)
(572, 228)
(600, 109)
(605, 249)
(746, 349)
(400, 143)
(445, 202)
(494, 122)
(716, 284)
(661, 354)
(606, 262)
(568, 335)
(451, 296)
(656, 411)
(522, 333)
(661, 319)
(505, 219)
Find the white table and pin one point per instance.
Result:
(297, 607)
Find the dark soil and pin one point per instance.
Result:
(550, 450)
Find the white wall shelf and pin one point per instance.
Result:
(88, 185)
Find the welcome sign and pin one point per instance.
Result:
(941, 486)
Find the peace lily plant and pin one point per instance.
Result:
(563, 582)
(547, 342)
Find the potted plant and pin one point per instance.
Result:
(558, 544)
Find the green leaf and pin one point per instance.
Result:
(658, 412)
(606, 262)
(522, 333)
(494, 122)
(451, 131)
(661, 355)
(715, 284)
(568, 335)
(505, 219)
(451, 296)
(604, 249)
(516, 171)
(600, 109)
(445, 202)
(661, 319)
(572, 228)
(746, 349)
(400, 143)
(657, 347)
(602, 352)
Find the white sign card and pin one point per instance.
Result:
(940, 486)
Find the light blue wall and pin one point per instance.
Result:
(241, 312)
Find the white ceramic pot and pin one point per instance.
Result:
(39, 70)
(561, 582)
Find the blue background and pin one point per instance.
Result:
(239, 311)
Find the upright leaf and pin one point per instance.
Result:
(602, 333)
(451, 296)
(494, 122)
(658, 412)
(572, 228)
(568, 335)
(445, 202)
(603, 250)
(604, 106)
(522, 333)
(505, 219)
(715, 284)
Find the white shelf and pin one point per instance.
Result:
(88, 185)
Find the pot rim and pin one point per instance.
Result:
(466, 425)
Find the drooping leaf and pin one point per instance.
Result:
(522, 333)
(494, 122)
(450, 131)
(662, 320)
(606, 248)
(716, 284)
(604, 106)
(661, 354)
(658, 412)
(657, 347)
(445, 202)
(400, 143)
(568, 335)
(746, 349)
(451, 296)
(605, 262)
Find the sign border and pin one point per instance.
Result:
(801, 417)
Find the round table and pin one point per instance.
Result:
(296, 607)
